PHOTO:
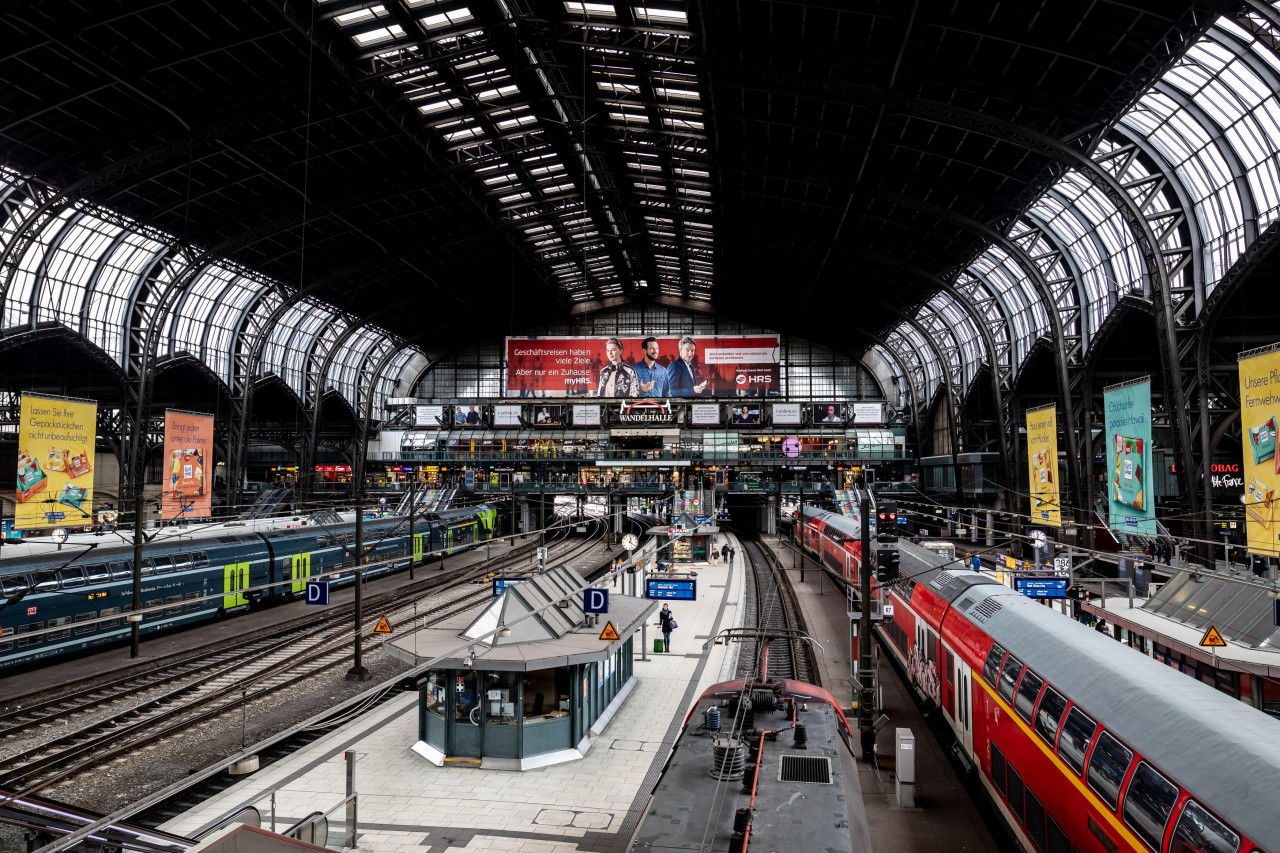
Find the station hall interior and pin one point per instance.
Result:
(1000, 270)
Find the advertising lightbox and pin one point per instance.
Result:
(1042, 462)
(786, 413)
(506, 416)
(744, 414)
(586, 416)
(868, 413)
(671, 366)
(468, 416)
(547, 416)
(829, 414)
(704, 414)
(428, 416)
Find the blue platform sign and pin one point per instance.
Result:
(317, 592)
(595, 600)
(499, 584)
(1043, 587)
(671, 590)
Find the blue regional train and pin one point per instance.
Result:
(61, 602)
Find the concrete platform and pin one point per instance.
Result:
(592, 805)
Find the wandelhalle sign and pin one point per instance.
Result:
(729, 365)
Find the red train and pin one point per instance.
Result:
(1081, 742)
(835, 540)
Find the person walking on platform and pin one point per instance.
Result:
(733, 553)
(724, 551)
(667, 624)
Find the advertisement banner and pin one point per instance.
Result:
(868, 413)
(586, 416)
(704, 414)
(644, 366)
(786, 413)
(188, 446)
(428, 416)
(506, 416)
(1042, 461)
(55, 462)
(1130, 503)
(1259, 414)
(829, 414)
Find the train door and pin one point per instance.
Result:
(922, 665)
(418, 547)
(235, 580)
(961, 677)
(299, 572)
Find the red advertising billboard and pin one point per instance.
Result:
(644, 366)
(188, 442)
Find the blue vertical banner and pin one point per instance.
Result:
(1130, 502)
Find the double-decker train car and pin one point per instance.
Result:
(65, 601)
(1082, 743)
(835, 540)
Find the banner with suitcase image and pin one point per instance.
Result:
(55, 462)
(188, 440)
(1259, 414)
(1130, 502)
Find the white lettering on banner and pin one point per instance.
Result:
(740, 355)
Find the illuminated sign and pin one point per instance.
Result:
(671, 590)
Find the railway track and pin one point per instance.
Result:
(51, 741)
(774, 609)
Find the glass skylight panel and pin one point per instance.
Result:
(116, 284)
(448, 18)
(369, 38)
(360, 16)
(596, 10)
(70, 267)
(435, 107)
(659, 16)
(22, 285)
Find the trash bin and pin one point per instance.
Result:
(657, 645)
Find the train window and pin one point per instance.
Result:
(1049, 715)
(164, 563)
(58, 622)
(1009, 678)
(992, 666)
(15, 584)
(1035, 820)
(997, 768)
(175, 605)
(30, 628)
(1014, 794)
(121, 570)
(85, 617)
(6, 644)
(46, 582)
(1107, 766)
(1077, 732)
(200, 559)
(1058, 841)
(148, 567)
(110, 623)
(1148, 801)
(1028, 690)
(98, 573)
(71, 576)
(182, 562)
(1199, 830)
(193, 601)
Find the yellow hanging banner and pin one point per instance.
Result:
(1042, 461)
(55, 462)
(1259, 414)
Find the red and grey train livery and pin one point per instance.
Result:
(836, 541)
(1083, 743)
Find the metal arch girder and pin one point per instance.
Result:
(316, 394)
(952, 425)
(915, 374)
(902, 366)
(1054, 311)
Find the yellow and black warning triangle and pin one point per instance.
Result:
(1213, 638)
(383, 626)
(609, 632)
